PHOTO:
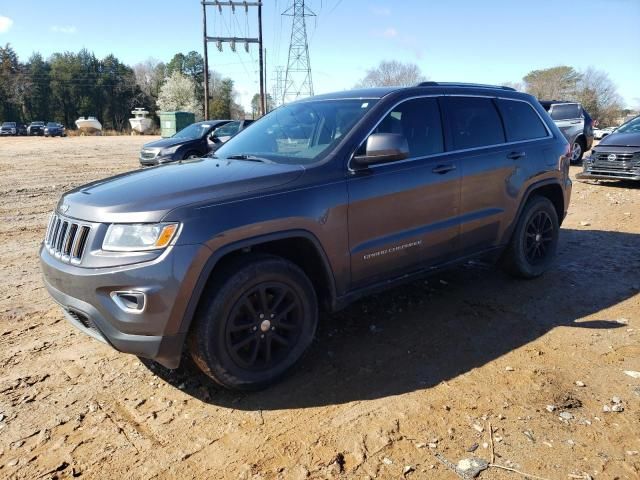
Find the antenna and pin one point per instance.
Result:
(298, 81)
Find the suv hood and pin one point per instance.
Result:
(621, 140)
(148, 195)
(168, 142)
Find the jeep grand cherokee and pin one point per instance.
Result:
(317, 204)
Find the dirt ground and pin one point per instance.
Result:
(425, 369)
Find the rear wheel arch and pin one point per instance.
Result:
(299, 246)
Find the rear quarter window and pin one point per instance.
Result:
(521, 121)
(474, 122)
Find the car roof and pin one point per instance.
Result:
(211, 122)
(547, 103)
(432, 87)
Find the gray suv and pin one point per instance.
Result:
(320, 202)
(575, 124)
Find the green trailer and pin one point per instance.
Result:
(172, 122)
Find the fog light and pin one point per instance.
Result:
(130, 301)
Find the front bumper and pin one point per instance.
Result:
(610, 170)
(155, 332)
(607, 176)
(159, 160)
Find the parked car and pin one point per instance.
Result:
(194, 141)
(54, 130)
(9, 128)
(22, 129)
(234, 255)
(575, 124)
(35, 128)
(600, 133)
(617, 156)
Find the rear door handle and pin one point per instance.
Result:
(516, 155)
(441, 169)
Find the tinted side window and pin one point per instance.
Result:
(419, 121)
(521, 121)
(474, 122)
(227, 129)
(565, 111)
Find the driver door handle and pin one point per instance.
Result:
(516, 155)
(442, 169)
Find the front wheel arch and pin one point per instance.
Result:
(323, 278)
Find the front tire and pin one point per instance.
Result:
(256, 319)
(534, 241)
(191, 155)
(577, 150)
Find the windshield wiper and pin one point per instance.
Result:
(250, 158)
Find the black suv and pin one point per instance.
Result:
(195, 141)
(320, 202)
(36, 128)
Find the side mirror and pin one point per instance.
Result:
(214, 138)
(383, 148)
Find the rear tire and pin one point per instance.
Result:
(254, 322)
(534, 242)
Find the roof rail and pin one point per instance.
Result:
(460, 84)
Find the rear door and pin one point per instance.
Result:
(493, 169)
(402, 215)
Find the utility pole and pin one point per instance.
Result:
(264, 76)
(219, 4)
(206, 62)
(298, 81)
(263, 105)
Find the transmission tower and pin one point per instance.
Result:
(277, 82)
(298, 81)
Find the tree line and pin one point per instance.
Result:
(592, 88)
(69, 85)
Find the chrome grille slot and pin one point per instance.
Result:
(66, 239)
(81, 241)
(61, 234)
(66, 248)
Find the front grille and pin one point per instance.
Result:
(66, 239)
(623, 162)
(148, 154)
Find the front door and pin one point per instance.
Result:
(403, 215)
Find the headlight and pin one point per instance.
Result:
(138, 237)
(169, 150)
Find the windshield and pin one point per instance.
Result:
(37, 123)
(9, 124)
(632, 126)
(193, 131)
(299, 133)
(51, 124)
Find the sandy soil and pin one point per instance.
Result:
(391, 381)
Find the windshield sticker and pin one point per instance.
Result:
(365, 105)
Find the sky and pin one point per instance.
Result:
(481, 41)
